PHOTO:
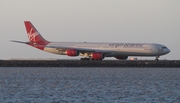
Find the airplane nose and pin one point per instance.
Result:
(167, 51)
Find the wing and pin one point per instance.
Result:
(81, 50)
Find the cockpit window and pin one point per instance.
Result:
(164, 47)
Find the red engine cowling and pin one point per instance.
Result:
(72, 52)
(121, 57)
(97, 56)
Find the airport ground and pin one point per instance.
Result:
(78, 63)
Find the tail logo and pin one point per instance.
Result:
(32, 36)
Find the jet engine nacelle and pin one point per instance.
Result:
(97, 56)
(121, 57)
(72, 52)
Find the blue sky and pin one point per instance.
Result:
(134, 21)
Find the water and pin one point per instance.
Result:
(89, 85)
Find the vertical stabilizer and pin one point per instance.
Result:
(33, 35)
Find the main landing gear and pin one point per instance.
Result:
(91, 59)
(157, 58)
(85, 59)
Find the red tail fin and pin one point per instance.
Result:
(33, 35)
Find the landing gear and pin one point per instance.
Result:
(85, 59)
(157, 58)
(93, 56)
(90, 59)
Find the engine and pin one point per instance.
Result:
(97, 56)
(72, 52)
(121, 57)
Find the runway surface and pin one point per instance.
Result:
(79, 63)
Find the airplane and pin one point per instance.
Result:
(93, 50)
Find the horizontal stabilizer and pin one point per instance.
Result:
(19, 41)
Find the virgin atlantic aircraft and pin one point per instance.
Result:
(91, 50)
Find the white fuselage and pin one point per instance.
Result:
(112, 49)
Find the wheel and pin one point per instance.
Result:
(84, 59)
(157, 59)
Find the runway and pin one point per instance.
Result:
(78, 63)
